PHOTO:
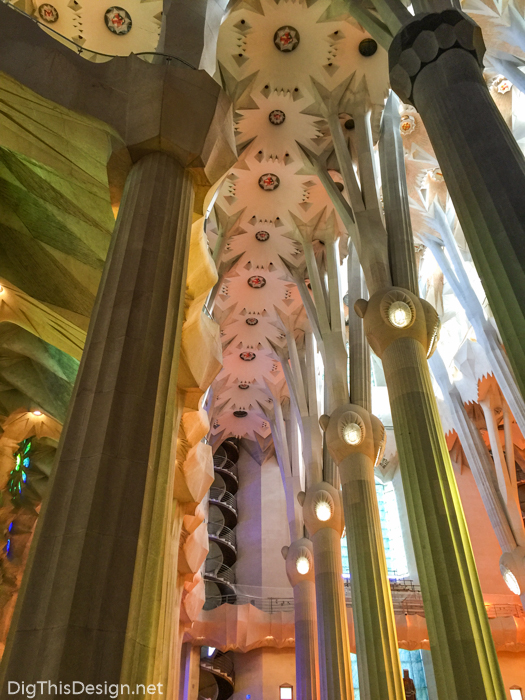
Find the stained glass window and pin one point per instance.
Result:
(19, 474)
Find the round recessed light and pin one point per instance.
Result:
(37, 413)
(352, 434)
(510, 579)
(251, 321)
(323, 511)
(247, 356)
(400, 314)
(302, 565)
(240, 414)
(262, 236)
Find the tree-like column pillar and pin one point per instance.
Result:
(299, 560)
(402, 331)
(323, 516)
(356, 441)
(436, 64)
(72, 613)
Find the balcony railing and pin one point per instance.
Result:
(223, 533)
(224, 497)
(220, 665)
(223, 573)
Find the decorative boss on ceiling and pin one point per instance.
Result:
(48, 13)
(286, 38)
(269, 182)
(118, 20)
(277, 117)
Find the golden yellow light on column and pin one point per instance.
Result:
(323, 510)
(302, 565)
(400, 314)
(2, 290)
(37, 413)
(352, 434)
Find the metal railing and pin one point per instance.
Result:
(223, 533)
(221, 665)
(412, 604)
(223, 573)
(224, 497)
(148, 56)
(222, 462)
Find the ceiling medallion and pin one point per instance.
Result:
(252, 321)
(286, 38)
(262, 236)
(48, 13)
(247, 356)
(501, 84)
(240, 414)
(276, 116)
(436, 175)
(244, 386)
(408, 124)
(269, 182)
(256, 282)
(118, 20)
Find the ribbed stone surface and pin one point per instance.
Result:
(374, 622)
(484, 170)
(334, 643)
(306, 672)
(72, 612)
(463, 651)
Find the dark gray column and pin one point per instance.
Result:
(436, 64)
(72, 611)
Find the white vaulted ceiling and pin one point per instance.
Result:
(263, 79)
(259, 224)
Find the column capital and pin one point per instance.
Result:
(293, 555)
(424, 39)
(394, 313)
(351, 429)
(322, 508)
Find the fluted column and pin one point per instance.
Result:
(402, 329)
(436, 63)
(72, 612)
(324, 520)
(300, 570)
(356, 440)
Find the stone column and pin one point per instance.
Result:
(323, 516)
(72, 612)
(190, 672)
(436, 64)
(356, 440)
(300, 571)
(402, 331)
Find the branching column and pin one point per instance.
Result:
(72, 612)
(402, 330)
